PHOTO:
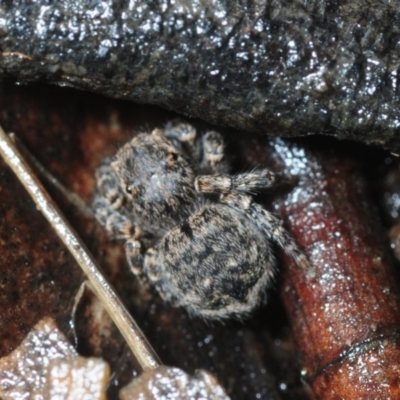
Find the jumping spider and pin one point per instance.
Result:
(191, 229)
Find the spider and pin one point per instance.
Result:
(192, 230)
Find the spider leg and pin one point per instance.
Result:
(139, 257)
(109, 203)
(146, 266)
(107, 186)
(134, 255)
(180, 130)
(184, 137)
(267, 223)
(214, 159)
(244, 183)
(208, 150)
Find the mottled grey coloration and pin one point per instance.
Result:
(276, 67)
(216, 263)
(200, 240)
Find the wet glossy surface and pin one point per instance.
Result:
(345, 309)
(276, 67)
(46, 366)
(173, 383)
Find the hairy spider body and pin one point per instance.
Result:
(200, 240)
(226, 263)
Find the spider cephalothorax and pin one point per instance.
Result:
(191, 229)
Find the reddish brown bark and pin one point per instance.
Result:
(345, 310)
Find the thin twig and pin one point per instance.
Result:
(139, 345)
(72, 197)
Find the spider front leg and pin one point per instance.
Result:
(209, 150)
(184, 137)
(214, 159)
(109, 204)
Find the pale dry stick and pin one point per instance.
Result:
(134, 337)
(72, 197)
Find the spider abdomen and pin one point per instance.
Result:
(216, 264)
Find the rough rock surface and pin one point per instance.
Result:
(275, 67)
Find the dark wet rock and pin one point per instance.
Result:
(274, 67)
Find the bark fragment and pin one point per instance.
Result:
(345, 310)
